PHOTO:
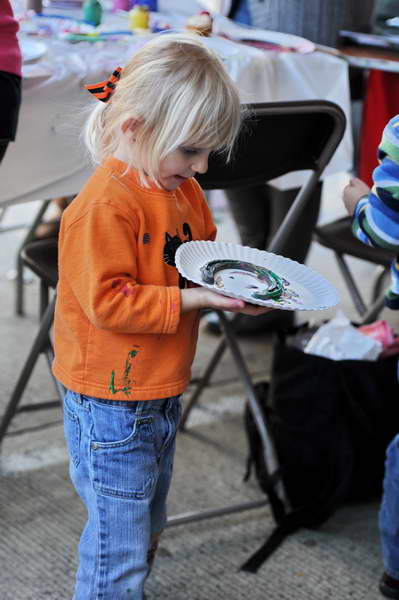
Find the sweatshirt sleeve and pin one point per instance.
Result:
(98, 257)
(376, 218)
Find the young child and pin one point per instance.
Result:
(126, 324)
(376, 222)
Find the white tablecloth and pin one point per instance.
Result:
(48, 158)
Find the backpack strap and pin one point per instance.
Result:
(269, 480)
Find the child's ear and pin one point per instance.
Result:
(131, 125)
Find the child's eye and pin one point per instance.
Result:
(187, 150)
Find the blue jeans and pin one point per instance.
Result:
(121, 459)
(389, 513)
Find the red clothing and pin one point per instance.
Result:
(380, 105)
(118, 329)
(10, 55)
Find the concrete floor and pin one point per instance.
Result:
(41, 516)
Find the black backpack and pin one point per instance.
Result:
(331, 422)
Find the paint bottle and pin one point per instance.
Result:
(121, 5)
(92, 12)
(139, 17)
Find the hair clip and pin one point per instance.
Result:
(104, 90)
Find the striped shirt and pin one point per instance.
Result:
(376, 218)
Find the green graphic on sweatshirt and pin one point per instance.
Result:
(126, 388)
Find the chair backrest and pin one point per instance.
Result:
(278, 138)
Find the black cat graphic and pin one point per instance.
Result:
(171, 245)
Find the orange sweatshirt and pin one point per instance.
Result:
(118, 332)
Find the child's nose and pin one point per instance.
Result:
(200, 165)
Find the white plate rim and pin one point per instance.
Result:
(227, 249)
(31, 49)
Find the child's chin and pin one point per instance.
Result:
(173, 182)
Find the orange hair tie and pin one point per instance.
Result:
(104, 90)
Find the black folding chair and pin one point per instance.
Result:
(41, 257)
(338, 237)
(276, 139)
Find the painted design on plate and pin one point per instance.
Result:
(215, 272)
(211, 273)
(289, 294)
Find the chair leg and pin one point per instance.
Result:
(230, 341)
(19, 282)
(368, 315)
(372, 313)
(379, 282)
(38, 345)
(202, 383)
(204, 380)
(351, 284)
(269, 453)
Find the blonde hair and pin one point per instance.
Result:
(179, 92)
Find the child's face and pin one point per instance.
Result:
(182, 163)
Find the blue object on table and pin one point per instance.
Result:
(243, 15)
(53, 16)
(151, 4)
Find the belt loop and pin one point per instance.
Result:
(78, 397)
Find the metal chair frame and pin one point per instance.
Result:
(326, 235)
(41, 344)
(250, 169)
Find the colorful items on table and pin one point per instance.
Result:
(139, 18)
(35, 5)
(200, 23)
(65, 3)
(92, 12)
(151, 5)
(90, 27)
(158, 26)
(121, 5)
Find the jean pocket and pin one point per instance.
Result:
(72, 432)
(126, 468)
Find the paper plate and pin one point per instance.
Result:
(255, 276)
(288, 40)
(31, 49)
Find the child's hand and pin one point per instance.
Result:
(352, 193)
(200, 297)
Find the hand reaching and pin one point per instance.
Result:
(352, 193)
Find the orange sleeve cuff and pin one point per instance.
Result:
(172, 318)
